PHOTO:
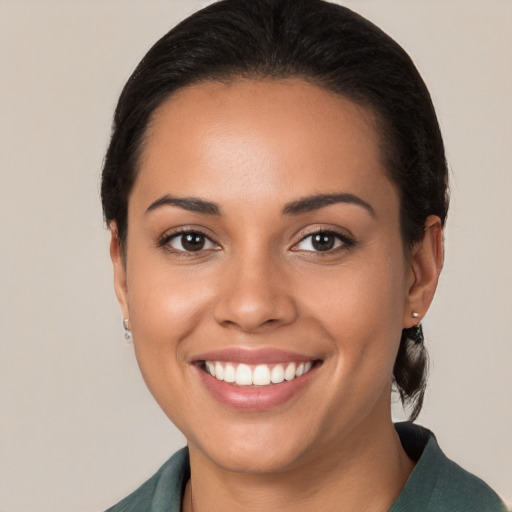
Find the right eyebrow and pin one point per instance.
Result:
(192, 204)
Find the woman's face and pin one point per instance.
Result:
(263, 242)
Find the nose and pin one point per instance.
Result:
(255, 296)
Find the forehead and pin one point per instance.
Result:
(247, 138)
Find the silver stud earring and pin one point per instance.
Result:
(127, 333)
(415, 315)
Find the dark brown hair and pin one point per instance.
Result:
(325, 44)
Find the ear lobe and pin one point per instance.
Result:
(426, 264)
(119, 267)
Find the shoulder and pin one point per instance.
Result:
(464, 491)
(437, 483)
(163, 491)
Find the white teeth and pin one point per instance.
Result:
(289, 373)
(229, 373)
(260, 375)
(219, 371)
(211, 368)
(277, 374)
(243, 376)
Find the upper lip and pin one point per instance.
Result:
(253, 356)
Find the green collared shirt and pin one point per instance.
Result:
(436, 485)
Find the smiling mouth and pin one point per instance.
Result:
(244, 375)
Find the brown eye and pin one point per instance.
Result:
(323, 241)
(190, 242)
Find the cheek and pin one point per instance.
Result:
(165, 307)
(360, 307)
(166, 304)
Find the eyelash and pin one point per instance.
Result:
(168, 237)
(346, 242)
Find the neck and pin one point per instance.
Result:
(366, 472)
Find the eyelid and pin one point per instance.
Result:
(164, 240)
(347, 241)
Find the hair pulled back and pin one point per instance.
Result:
(327, 45)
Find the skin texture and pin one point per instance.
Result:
(252, 148)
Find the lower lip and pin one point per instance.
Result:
(257, 398)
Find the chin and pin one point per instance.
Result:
(255, 449)
(252, 459)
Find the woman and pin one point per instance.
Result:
(276, 190)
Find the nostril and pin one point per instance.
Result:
(248, 325)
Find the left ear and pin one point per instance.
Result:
(425, 266)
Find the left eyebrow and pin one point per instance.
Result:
(318, 201)
(193, 204)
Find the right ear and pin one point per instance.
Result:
(118, 263)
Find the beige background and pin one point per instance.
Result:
(78, 430)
